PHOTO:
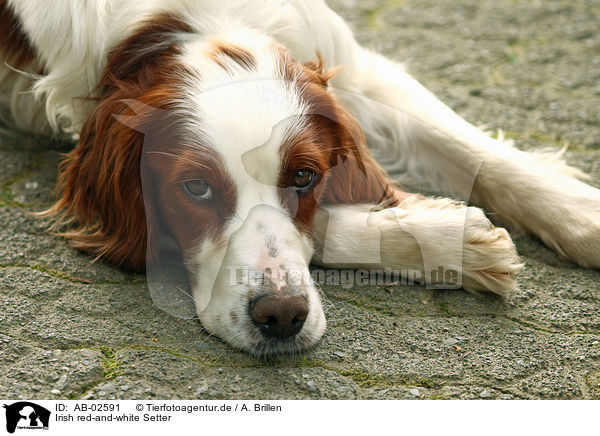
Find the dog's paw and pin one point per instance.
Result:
(490, 260)
(452, 236)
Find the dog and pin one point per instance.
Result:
(259, 136)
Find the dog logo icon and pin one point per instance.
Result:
(26, 415)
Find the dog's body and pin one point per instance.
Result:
(251, 159)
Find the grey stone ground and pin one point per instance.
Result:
(90, 331)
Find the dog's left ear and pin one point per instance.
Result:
(354, 176)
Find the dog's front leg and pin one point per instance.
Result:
(434, 240)
(431, 146)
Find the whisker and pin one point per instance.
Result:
(23, 73)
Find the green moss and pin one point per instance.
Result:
(373, 15)
(111, 366)
(52, 272)
(366, 380)
(593, 385)
(201, 359)
(444, 308)
(514, 51)
(373, 19)
(6, 197)
(367, 304)
(135, 279)
(130, 280)
(76, 395)
(425, 382)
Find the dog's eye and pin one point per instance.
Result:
(199, 189)
(303, 179)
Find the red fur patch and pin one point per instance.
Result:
(100, 179)
(225, 50)
(187, 219)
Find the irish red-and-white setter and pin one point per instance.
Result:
(258, 135)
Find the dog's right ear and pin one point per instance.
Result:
(101, 186)
(100, 181)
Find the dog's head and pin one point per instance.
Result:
(227, 146)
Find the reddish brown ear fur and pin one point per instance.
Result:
(101, 189)
(354, 177)
(101, 179)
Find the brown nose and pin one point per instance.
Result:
(279, 316)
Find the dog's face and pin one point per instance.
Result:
(237, 150)
(238, 190)
(239, 187)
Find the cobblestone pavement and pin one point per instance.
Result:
(73, 329)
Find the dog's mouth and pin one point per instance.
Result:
(291, 346)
